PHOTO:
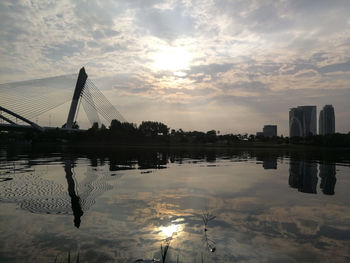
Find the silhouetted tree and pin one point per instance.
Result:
(74, 125)
(94, 127)
(115, 125)
(153, 128)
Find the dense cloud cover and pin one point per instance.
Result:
(211, 64)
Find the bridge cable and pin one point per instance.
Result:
(90, 113)
(97, 108)
(105, 101)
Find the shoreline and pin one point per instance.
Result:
(234, 146)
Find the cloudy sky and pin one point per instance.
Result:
(232, 66)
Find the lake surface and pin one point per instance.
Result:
(210, 205)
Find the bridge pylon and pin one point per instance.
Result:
(79, 87)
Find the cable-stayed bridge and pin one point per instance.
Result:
(21, 103)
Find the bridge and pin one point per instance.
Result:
(21, 103)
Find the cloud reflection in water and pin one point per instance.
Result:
(258, 215)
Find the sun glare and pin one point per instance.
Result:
(169, 231)
(172, 59)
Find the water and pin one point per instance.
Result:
(210, 205)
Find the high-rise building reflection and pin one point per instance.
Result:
(328, 179)
(327, 120)
(303, 176)
(269, 161)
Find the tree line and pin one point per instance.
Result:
(153, 132)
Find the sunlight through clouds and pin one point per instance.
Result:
(173, 59)
(251, 54)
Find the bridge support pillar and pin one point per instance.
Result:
(76, 96)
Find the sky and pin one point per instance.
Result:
(232, 66)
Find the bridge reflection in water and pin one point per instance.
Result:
(33, 193)
(75, 199)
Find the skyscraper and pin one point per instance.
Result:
(296, 119)
(320, 123)
(310, 119)
(326, 121)
(302, 121)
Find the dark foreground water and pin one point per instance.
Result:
(206, 205)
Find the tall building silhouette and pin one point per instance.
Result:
(326, 121)
(302, 121)
(296, 122)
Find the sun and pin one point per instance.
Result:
(173, 59)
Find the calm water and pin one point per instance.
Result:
(219, 206)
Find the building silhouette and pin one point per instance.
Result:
(270, 130)
(302, 121)
(259, 134)
(326, 121)
(296, 117)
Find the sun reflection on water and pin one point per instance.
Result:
(171, 230)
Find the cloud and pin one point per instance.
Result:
(235, 49)
(167, 24)
(57, 51)
(343, 67)
(250, 86)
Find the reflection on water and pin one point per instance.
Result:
(210, 243)
(32, 192)
(169, 231)
(328, 179)
(215, 205)
(269, 160)
(75, 200)
(303, 176)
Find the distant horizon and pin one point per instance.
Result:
(85, 124)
